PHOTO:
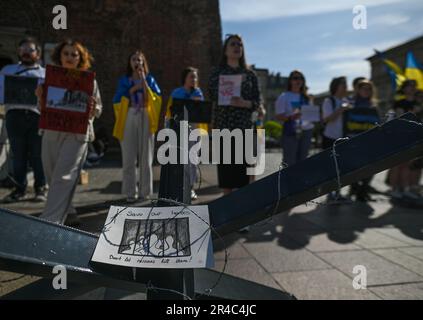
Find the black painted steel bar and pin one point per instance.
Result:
(32, 246)
(360, 157)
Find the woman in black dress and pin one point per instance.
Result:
(236, 115)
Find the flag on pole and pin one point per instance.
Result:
(414, 70)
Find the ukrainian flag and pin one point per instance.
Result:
(414, 70)
(395, 71)
(121, 105)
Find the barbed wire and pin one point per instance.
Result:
(184, 206)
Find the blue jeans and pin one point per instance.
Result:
(295, 148)
(25, 143)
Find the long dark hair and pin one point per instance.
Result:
(186, 72)
(129, 70)
(335, 83)
(224, 58)
(303, 89)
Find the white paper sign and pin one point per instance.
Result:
(160, 237)
(229, 86)
(310, 113)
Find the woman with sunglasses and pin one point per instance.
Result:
(63, 154)
(237, 115)
(297, 133)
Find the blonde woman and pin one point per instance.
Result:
(137, 104)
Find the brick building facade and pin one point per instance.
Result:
(172, 33)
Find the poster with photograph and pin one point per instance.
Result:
(229, 86)
(65, 100)
(160, 237)
(17, 90)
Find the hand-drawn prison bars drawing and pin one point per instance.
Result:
(156, 238)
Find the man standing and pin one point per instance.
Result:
(22, 125)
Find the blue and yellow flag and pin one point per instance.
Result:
(413, 70)
(121, 105)
(395, 71)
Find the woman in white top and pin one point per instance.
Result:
(297, 133)
(63, 153)
(332, 109)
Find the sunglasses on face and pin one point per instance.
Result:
(70, 54)
(27, 49)
(297, 78)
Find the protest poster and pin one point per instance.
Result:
(65, 102)
(159, 237)
(358, 120)
(18, 90)
(229, 86)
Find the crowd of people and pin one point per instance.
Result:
(404, 180)
(57, 158)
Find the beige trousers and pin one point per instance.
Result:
(137, 144)
(63, 155)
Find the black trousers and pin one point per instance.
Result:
(25, 142)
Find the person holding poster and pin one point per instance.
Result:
(333, 109)
(137, 105)
(234, 89)
(297, 132)
(188, 91)
(22, 117)
(64, 153)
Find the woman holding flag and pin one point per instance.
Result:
(137, 105)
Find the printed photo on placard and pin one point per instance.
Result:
(162, 237)
(63, 99)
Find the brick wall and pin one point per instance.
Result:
(172, 33)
